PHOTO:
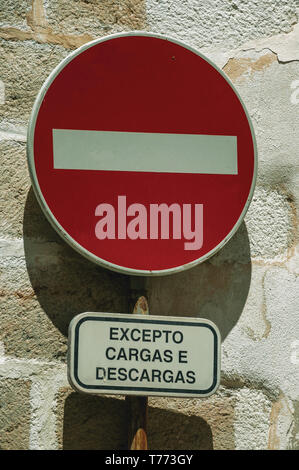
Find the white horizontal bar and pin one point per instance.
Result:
(149, 152)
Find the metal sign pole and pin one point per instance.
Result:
(137, 406)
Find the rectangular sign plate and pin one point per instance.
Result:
(143, 355)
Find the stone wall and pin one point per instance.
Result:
(249, 289)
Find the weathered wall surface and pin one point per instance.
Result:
(250, 289)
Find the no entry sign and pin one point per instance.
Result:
(141, 154)
(143, 355)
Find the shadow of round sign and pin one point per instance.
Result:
(142, 154)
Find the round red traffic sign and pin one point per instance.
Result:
(142, 154)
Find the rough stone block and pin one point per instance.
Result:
(14, 414)
(24, 66)
(252, 419)
(268, 361)
(15, 184)
(283, 424)
(222, 24)
(86, 422)
(268, 96)
(20, 213)
(94, 17)
(254, 321)
(13, 14)
(294, 441)
(192, 424)
(271, 225)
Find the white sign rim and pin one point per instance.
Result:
(154, 391)
(48, 213)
